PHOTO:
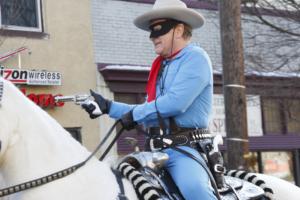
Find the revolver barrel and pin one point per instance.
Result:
(77, 99)
(64, 98)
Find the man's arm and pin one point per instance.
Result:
(193, 76)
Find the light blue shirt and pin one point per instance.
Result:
(184, 91)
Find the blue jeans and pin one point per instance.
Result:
(189, 176)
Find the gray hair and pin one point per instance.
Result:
(187, 33)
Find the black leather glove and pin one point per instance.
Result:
(127, 121)
(98, 107)
(92, 108)
(103, 103)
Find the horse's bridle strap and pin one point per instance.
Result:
(39, 181)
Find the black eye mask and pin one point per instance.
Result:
(161, 28)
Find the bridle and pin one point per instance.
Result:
(40, 181)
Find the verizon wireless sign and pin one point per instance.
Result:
(31, 77)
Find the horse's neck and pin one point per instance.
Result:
(39, 148)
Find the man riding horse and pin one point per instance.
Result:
(179, 95)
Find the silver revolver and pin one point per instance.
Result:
(77, 99)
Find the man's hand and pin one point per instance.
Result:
(127, 121)
(99, 106)
(92, 108)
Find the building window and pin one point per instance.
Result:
(75, 132)
(21, 15)
(273, 118)
(281, 116)
(293, 116)
(137, 133)
(278, 164)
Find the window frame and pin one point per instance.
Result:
(266, 122)
(75, 133)
(284, 119)
(24, 28)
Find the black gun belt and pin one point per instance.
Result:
(185, 138)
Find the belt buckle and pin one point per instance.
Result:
(219, 168)
(151, 144)
(165, 143)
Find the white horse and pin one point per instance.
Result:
(282, 189)
(34, 145)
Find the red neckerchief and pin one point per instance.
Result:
(151, 84)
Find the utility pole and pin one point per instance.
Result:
(234, 84)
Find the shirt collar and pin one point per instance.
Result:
(183, 51)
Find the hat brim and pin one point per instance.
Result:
(186, 15)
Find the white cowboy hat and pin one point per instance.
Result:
(170, 9)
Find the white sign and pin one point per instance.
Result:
(217, 124)
(31, 77)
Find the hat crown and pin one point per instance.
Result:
(170, 9)
(168, 3)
